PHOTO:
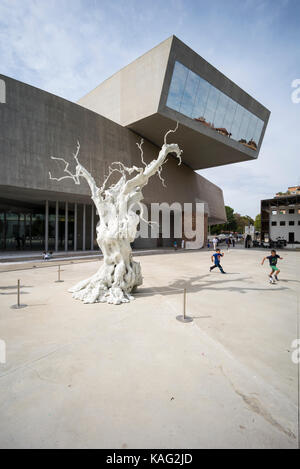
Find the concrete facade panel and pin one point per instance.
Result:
(137, 88)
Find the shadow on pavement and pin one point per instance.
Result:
(197, 284)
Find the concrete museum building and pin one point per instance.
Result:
(219, 124)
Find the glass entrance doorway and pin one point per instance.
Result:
(70, 226)
(22, 227)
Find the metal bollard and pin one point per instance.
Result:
(58, 279)
(184, 317)
(18, 293)
(18, 305)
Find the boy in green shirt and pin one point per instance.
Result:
(273, 264)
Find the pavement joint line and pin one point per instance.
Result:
(242, 368)
(36, 360)
(245, 369)
(28, 364)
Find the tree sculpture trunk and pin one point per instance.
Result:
(120, 274)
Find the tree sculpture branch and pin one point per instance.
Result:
(116, 229)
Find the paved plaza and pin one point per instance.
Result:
(132, 376)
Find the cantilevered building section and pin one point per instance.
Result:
(219, 122)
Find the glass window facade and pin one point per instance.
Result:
(196, 98)
(22, 226)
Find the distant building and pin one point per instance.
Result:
(293, 190)
(280, 217)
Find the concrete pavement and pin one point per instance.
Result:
(131, 376)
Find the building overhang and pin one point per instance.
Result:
(202, 147)
(219, 122)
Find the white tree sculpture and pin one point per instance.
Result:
(117, 227)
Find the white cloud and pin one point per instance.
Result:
(69, 47)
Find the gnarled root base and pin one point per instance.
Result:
(111, 284)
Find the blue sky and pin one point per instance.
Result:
(68, 47)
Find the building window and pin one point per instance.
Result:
(274, 212)
(196, 98)
(298, 222)
(282, 223)
(291, 223)
(282, 212)
(291, 210)
(274, 223)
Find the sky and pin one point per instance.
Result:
(68, 47)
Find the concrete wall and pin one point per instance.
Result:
(35, 124)
(283, 231)
(133, 92)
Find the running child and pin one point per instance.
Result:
(216, 259)
(273, 258)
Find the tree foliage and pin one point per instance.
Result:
(257, 222)
(235, 222)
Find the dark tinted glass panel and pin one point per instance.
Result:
(177, 86)
(251, 127)
(38, 230)
(79, 226)
(189, 94)
(71, 226)
(196, 98)
(221, 110)
(258, 130)
(236, 124)
(2, 230)
(229, 115)
(211, 105)
(51, 226)
(201, 99)
(244, 126)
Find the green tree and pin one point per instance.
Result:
(243, 221)
(257, 223)
(235, 222)
(231, 224)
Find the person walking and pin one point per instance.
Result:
(215, 258)
(215, 243)
(273, 258)
(228, 243)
